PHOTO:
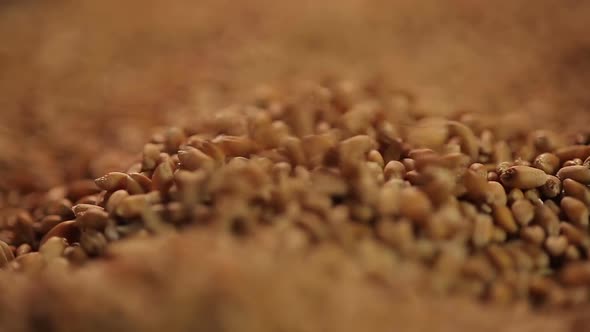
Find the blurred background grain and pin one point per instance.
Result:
(79, 77)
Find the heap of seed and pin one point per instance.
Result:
(496, 213)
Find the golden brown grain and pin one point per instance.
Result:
(552, 187)
(534, 234)
(523, 211)
(548, 162)
(575, 210)
(556, 245)
(577, 173)
(576, 190)
(523, 177)
(503, 218)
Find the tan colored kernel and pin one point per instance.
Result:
(394, 170)
(409, 164)
(574, 234)
(477, 187)
(53, 247)
(575, 210)
(514, 195)
(556, 245)
(547, 162)
(416, 205)
(553, 206)
(503, 218)
(190, 159)
(469, 142)
(523, 211)
(534, 234)
(547, 219)
(115, 199)
(112, 181)
(551, 188)
(577, 173)
(576, 190)
(498, 193)
(376, 157)
(523, 177)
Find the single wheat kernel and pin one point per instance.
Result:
(556, 245)
(115, 199)
(514, 195)
(574, 234)
(409, 164)
(53, 247)
(131, 206)
(6, 254)
(67, 230)
(523, 211)
(236, 146)
(142, 180)
(394, 170)
(80, 209)
(477, 187)
(576, 190)
(575, 210)
(469, 142)
(523, 177)
(498, 193)
(24, 248)
(553, 206)
(534, 234)
(190, 158)
(416, 205)
(112, 181)
(547, 219)
(577, 173)
(93, 218)
(547, 162)
(552, 187)
(376, 157)
(573, 162)
(534, 196)
(503, 218)
(163, 176)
